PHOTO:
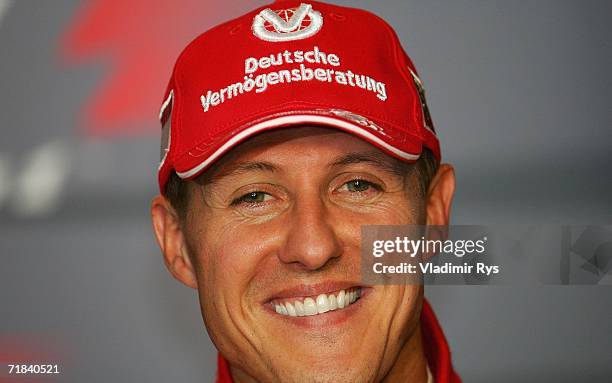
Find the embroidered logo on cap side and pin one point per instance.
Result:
(287, 24)
(426, 115)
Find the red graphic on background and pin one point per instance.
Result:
(136, 42)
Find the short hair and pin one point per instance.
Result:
(177, 189)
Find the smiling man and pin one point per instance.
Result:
(284, 132)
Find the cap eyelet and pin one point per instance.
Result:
(337, 16)
(235, 29)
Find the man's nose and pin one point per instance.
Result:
(311, 239)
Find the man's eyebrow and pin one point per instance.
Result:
(375, 158)
(242, 167)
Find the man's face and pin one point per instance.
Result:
(278, 221)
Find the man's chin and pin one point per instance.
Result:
(323, 347)
(328, 370)
(326, 377)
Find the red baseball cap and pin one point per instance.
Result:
(292, 63)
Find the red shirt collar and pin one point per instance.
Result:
(436, 351)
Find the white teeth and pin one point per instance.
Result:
(290, 309)
(333, 304)
(342, 299)
(310, 307)
(322, 304)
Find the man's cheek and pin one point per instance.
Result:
(231, 263)
(391, 211)
(382, 213)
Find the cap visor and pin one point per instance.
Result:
(376, 138)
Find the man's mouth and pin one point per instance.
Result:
(315, 305)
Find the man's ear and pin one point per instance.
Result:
(167, 228)
(440, 196)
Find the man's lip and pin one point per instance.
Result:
(308, 290)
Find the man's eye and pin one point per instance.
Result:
(252, 198)
(359, 186)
